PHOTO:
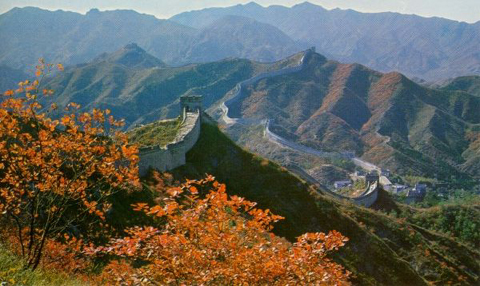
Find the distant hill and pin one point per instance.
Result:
(469, 84)
(428, 48)
(140, 88)
(131, 56)
(72, 38)
(234, 36)
(9, 78)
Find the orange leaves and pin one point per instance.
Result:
(174, 191)
(47, 91)
(157, 211)
(67, 120)
(211, 240)
(9, 93)
(193, 190)
(67, 172)
(140, 207)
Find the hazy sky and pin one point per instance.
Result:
(461, 10)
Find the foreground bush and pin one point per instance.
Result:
(57, 174)
(214, 239)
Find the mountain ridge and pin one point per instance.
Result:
(386, 119)
(74, 38)
(428, 48)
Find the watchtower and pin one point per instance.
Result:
(191, 103)
(372, 177)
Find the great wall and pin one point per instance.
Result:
(172, 155)
(164, 158)
(367, 198)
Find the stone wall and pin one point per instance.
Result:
(173, 155)
(272, 137)
(238, 94)
(366, 199)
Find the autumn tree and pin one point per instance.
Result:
(209, 238)
(54, 174)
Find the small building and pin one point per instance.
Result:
(360, 173)
(342, 184)
(385, 172)
(421, 189)
(417, 194)
(191, 103)
(398, 188)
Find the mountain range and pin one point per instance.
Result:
(72, 38)
(386, 119)
(139, 88)
(427, 48)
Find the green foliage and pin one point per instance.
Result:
(412, 180)
(470, 84)
(159, 133)
(455, 220)
(13, 273)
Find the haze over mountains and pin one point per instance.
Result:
(139, 88)
(428, 48)
(72, 38)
